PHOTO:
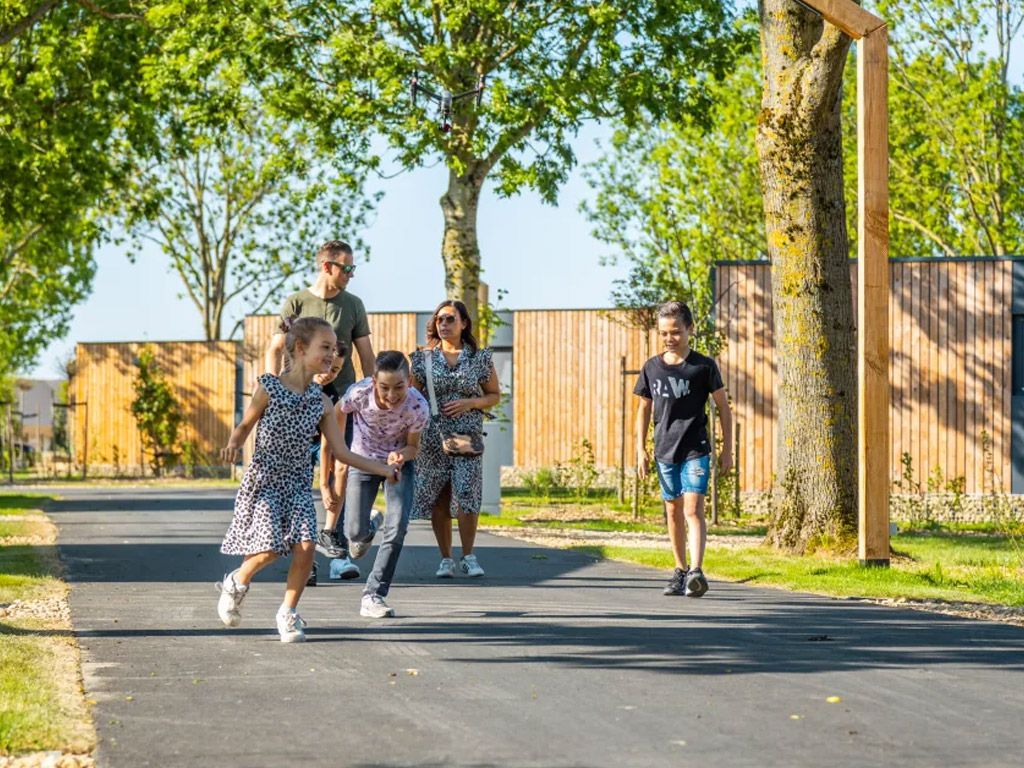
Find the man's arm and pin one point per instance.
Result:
(367, 359)
(275, 354)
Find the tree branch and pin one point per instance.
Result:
(11, 32)
(107, 15)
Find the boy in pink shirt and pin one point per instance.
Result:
(388, 416)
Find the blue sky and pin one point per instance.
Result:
(543, 256)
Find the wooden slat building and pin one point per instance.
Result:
(950, 367)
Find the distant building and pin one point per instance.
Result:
(34, 398)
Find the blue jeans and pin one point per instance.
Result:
(359, 498)
(685, 477)
(315, 457)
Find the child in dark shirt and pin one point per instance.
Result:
(674, 386)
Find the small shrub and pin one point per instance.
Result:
(157, 412)
(542, 482)
(580, 474)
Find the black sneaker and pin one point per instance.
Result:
(331, 544)
(677, 584)
(696, 584)
(311, 581)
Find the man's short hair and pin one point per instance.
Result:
(677, 309)
(331, 250)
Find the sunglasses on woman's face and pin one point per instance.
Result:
(446, 319)
(348, 269)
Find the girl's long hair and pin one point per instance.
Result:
(468, 339)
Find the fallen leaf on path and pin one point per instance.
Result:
(413, 671)
(678, 742)
(833, 699)
(538, 557)
(127, 698)
(796, 717)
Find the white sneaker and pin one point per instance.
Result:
(231, 596)
(374, 607)
(469, 566)
(446, 570)
(343, 568)
(357, 549)
(289, 626)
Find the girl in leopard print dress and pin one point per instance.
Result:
(274, 512)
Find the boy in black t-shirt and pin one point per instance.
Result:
(675, 386)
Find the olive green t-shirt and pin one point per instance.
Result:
(347, 316)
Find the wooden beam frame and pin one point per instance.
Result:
(872, 38)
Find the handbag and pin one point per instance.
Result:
(452, 443)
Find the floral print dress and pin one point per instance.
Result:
(434, 467)
(274, 506)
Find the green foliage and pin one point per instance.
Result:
(345, 68)
(542, 482)
(157, 413)
(956, 127)
(70, 113)
(580, 473)
(672, 198)
(239, 204)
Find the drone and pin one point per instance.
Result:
(445, 99)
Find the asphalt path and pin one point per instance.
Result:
(554, 659)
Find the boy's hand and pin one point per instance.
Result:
(229, 454)
(327, 495)
(725, 462)
(643, 464)
(396, 458)
(394, 473)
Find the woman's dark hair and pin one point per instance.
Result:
(433, 339)
(391, 361)
(302, 329)
(677, 309)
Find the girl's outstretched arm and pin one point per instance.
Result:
(232, 451)
(336, 440)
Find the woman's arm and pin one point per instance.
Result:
(725, 461)
(336, 440)
(490, 398)
(643, 423)
(232, 451)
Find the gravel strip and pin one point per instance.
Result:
(20, 541)
(562, 538)
(48, 760)
(53, 608)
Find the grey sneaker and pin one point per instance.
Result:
(677, 584)
(330, 544)
(696, 584)
(289, 626)
(374, 607)
(357, 549)
(471, 567)
(446, 570)
(231, 596)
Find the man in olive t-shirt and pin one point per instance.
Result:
(328, 299)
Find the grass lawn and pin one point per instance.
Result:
(130, 481)
(41, 701)
(970, 563)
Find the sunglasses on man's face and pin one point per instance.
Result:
(446, 319)
(348, 269)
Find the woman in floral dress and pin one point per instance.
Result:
(465, 385)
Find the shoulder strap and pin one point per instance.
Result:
(428, 364)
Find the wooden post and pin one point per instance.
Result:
(873, 298)
(872, 271)
(736, 485)
(85, 443)
(622, 431)
(714, 464)
(10, 444)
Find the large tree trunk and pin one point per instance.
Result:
(800, 150)
(460, 249)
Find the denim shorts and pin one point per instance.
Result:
(686, 477)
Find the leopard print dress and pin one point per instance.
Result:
(274, 506)
(434, 468)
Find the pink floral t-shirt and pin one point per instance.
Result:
(379, 431)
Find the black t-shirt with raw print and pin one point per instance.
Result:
(679, 394)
